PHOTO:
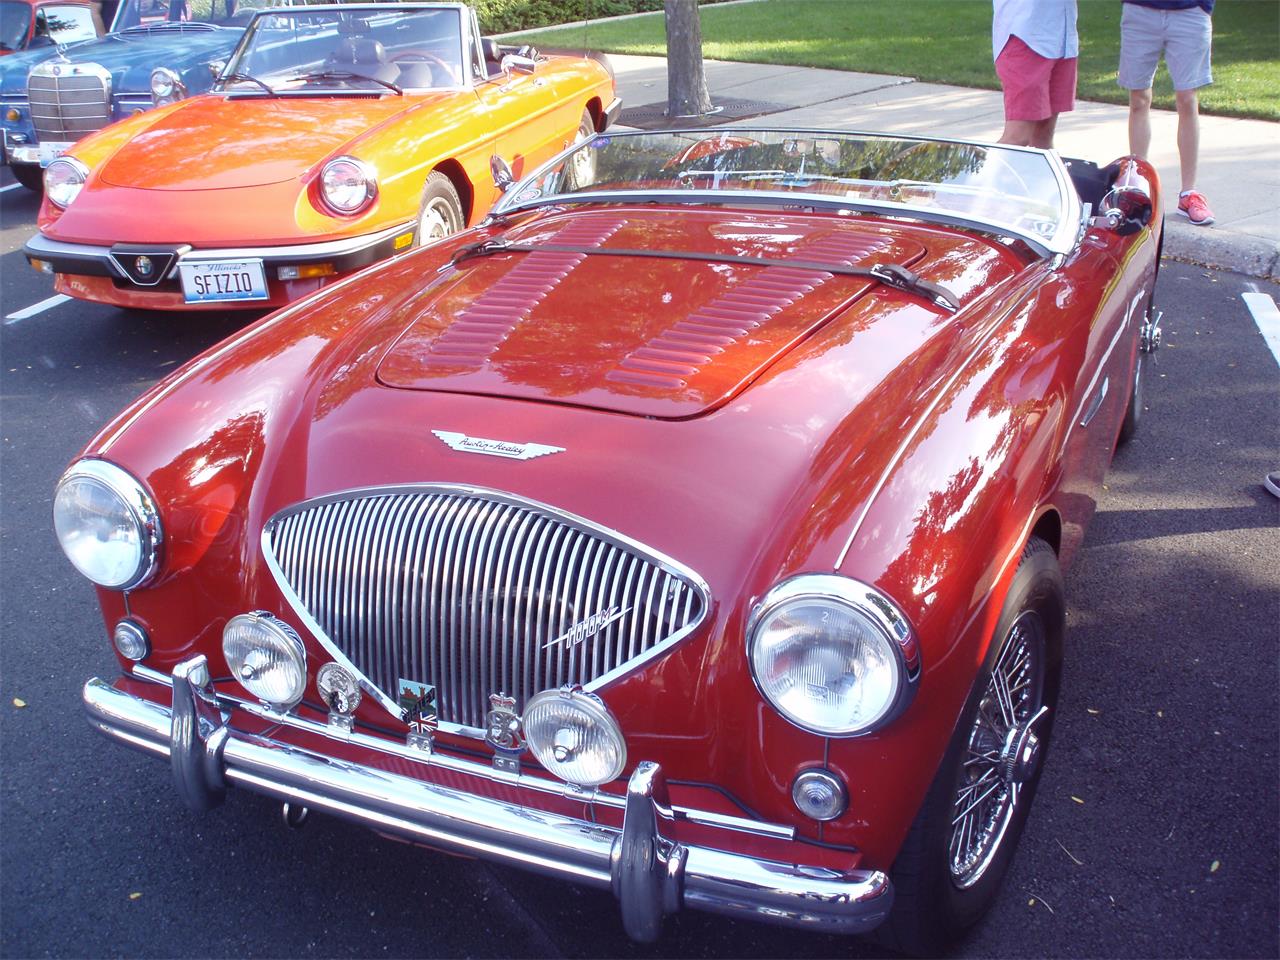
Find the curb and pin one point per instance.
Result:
(1240, 253)
(578, 24)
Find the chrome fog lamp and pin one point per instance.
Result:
(574, 736)
(820, 795)
(131, 640)
(266, 656)
(107, 524)
(63, 179)
(166, 86)
(832, 655)
(348, 185)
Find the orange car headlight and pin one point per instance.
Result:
(348, 185)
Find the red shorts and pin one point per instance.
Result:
(1035, 87)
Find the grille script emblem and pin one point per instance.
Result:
(584, 630)
(495, 448)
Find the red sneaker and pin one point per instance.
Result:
(1193, 206)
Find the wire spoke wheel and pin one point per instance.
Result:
(1002, 752)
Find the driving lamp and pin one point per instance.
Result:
(107, 524)
(833, 656)
(166, 86)
(574, 736)
(819, 795)
(266, 657)
(131, 640)
(347, 185)
(63, 179)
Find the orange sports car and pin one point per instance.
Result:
(336, 136)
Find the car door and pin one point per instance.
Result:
(531, 121)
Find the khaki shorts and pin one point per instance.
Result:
(1183, 36)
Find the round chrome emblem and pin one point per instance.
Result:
(144, 266)
(57, 71)
(338, 689)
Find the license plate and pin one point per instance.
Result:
(51, 151)
(227, 280)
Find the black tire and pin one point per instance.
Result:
(581, 170)
(939, 893)
(1133, 412)
(30, 176)
(440, 213)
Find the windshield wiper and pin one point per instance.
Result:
(347, 75)
(245, 78)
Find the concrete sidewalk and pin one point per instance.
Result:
(1239, 167)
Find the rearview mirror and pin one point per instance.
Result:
(513, 63)
(1126, 210)
(500, 170)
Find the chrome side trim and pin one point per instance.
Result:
(815, 898)
(1096, 403)
(40, 244)
(474, 768)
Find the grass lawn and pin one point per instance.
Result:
(949, 41)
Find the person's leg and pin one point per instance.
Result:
(1042, 133)
(1020, 133)
(1140, 122)
(1141, 43)
(1188, 136)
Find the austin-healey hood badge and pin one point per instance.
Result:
(495, 448)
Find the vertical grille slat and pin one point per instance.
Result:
(476, 593)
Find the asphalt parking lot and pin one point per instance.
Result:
(1155, 832)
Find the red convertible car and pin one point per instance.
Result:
(691, 528)
(336, 136)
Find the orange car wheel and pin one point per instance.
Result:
(441, 211)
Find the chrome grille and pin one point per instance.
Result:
(69, 100)
(476, 592)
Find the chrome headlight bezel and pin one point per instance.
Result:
(880, 613)
(362, 198)
(590, 711)
(57, 192)
(139, 507)
(166, 86)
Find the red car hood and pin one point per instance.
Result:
(215, 143)
(666, 337)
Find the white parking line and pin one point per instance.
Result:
(35, 308)
(1267, 316)
(12, 186)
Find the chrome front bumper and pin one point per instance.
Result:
(649, 874)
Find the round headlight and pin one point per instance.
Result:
(166, 86)
(63, 179)
(348, 185)
(832, 655)
(574, 735)
(266, 656)
(107, 524)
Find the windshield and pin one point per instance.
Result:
(360, 48)
(15, 19)
(143, 14)
(1014, 190)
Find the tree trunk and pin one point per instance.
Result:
(686, 83)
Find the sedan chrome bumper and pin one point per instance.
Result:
(649, 874)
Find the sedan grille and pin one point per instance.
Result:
(69, 100)
(475, 593)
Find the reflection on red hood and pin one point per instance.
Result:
(657, 337)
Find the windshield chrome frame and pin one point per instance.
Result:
(465, 42)
(1063, 241)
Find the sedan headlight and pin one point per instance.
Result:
(574, 736)
(266, 656)
(107, 524)
(166, 86)
(348, 185)
(63, 179)
(832, 655)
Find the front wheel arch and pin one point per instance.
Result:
(466, 193)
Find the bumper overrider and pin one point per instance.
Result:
(649, 874)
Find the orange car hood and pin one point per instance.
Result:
(656, 337)
(215, 143)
